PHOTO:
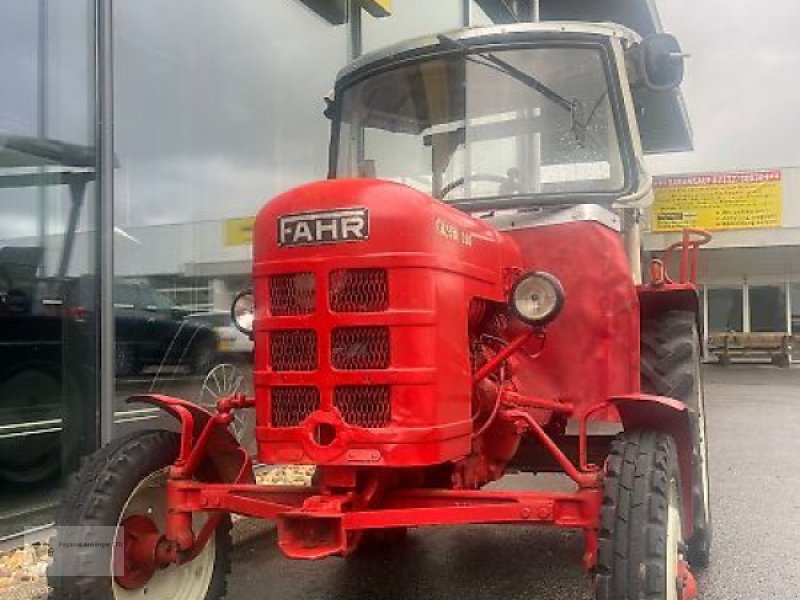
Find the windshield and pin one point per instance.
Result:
(514, 122)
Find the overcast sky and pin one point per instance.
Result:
(742, 83)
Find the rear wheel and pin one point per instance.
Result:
(124, 484)
(640, 524)
(670, 366)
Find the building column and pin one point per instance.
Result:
(745, 306)
(787, 300)
(221, 295)
(704, 317)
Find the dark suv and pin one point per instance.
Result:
(150, 330)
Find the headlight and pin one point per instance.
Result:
(243, 311)
(537, 298)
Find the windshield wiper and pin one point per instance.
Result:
(574, 107)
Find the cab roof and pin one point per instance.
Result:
(473, 36)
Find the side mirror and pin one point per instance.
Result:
(658, 62)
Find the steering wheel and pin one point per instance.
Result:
(478, 177)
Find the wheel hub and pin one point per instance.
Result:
(145, 551)
(139, 542)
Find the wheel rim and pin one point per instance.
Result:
(674, 542)
(225, 380)
(189, 581)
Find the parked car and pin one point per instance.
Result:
(150, 330)
(232, 344)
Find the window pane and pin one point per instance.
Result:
(48, 315)
(767, 308)
(724, 310)
(211, 121)
(795, 296)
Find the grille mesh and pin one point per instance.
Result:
(364, 405)
(293, 350)
(292, 294)
(355, 348)
(290, 405)
(359, 290)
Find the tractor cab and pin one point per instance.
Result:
(526, 116)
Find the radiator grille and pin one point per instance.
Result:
(290, 405)
(292, 294)
(354, 348)
(359, 290)
(364, 405)
(293, 350)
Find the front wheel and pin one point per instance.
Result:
(121, 484)
(641, 545)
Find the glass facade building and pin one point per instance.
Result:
(216, 107)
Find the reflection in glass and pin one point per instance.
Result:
(48, 399)
(211, 120)
(767, 308)
(725, 310)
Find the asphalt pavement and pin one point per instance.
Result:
(754, 441)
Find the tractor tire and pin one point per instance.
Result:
(670, 366)
(640, 521)
(120, 480)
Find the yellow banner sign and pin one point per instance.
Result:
(743, 200)
(239, 232)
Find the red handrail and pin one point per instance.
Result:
(689, 254)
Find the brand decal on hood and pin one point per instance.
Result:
(323, 227)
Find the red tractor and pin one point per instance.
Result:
(460, 299)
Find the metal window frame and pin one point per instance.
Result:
(104, 261)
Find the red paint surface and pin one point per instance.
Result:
(592, 349)
(431, 279)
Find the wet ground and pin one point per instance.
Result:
(754, 443)
(754, 431)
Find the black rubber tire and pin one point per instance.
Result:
(670, 366)
(632, 552)
(97, 496)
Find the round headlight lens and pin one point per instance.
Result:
(243, 311)
(537, 298)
